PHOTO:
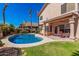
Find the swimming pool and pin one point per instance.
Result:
(24, 39)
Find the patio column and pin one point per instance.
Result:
(71, 22)
(44, 29)
(77, 32)
(47, 28)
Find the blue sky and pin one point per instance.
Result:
(17, 13)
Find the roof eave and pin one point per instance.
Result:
(42, 9)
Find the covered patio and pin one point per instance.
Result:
(65, 26)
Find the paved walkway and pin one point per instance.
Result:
(45, 40)
(59, 38)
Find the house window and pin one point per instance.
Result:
(67, 7)
(41, 17)
(67, 28)
(62, 28)
(63, 8)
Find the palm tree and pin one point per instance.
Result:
(30, 15)
(4, 26)
(3, 12)
(38, 18)
(36, 12)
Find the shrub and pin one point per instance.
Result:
(75, 53)
(4, 31)
(1, 43)
(38, 30)
(11, 28)
(23, 32)
(18, 30)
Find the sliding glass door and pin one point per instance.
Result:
(64, 28)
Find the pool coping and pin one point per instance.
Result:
(10, 44)
(45, 40)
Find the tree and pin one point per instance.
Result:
(12, 27)
(3, 12)
(30, 15)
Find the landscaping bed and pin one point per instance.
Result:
(9, 51)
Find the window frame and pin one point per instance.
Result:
(41, 17)
(64, 8)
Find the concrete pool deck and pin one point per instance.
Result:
(45, 40)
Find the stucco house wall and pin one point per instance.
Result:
(52, 10)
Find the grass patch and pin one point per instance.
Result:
(52, 49)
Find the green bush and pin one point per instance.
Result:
(4, 32)
(18, 30)
(1, 43)
(37, 31)
(23, 32)
(75, 53)
(11, 28)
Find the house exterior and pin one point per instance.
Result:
(60, 19)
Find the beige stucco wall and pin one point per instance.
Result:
(52, 10)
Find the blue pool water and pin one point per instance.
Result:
(24, 39)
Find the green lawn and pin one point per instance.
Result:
(52, 49)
